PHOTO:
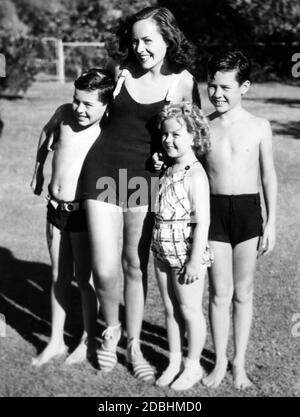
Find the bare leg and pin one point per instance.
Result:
(104, 223)
(82, 262)
(62, 271)
(174, 323)
(189, 297)
(221, 289)
(137, 238)
(244, 263)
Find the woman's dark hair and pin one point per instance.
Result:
(97, 79)
(230, 61)
(180, 52)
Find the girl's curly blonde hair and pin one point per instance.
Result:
(196, 123)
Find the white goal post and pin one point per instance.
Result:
(60, 57)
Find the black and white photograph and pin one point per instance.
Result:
(149, 201)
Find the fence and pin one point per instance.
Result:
(59, 59)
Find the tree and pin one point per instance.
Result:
(251, 25)
(78, 20)
(21, 62)
(9, 19)
(41, 17)
(265, 30)
(271, 20)
(19, 51)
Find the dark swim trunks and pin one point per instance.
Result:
(67, 216)
(235, 218)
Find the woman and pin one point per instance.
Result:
(117, 176)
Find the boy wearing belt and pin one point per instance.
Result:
(70, 133)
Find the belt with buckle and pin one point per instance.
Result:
(68, 206)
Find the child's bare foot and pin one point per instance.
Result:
(83, 351)
(50, 351)
(240, 379)
(214, 379)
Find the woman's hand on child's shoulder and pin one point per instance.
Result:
(157, 160)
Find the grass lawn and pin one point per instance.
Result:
(273, 353)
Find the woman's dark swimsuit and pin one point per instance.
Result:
(118, 168)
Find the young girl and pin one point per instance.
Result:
(153, 74)
(179, 243)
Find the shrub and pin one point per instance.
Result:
(21, 62)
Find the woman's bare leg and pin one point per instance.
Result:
(104, 224)
(137, 238)
(136, 246)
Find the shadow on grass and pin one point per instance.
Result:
(25, 300)
(289, 102)
(25, 303)
(281, 101)
(153, 336)
(11, 96)
(290, 128)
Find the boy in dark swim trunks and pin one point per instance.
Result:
(70, 134)
(241, 149)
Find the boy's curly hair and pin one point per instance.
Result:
(196, 123)
(97, 79)
(180, 52)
